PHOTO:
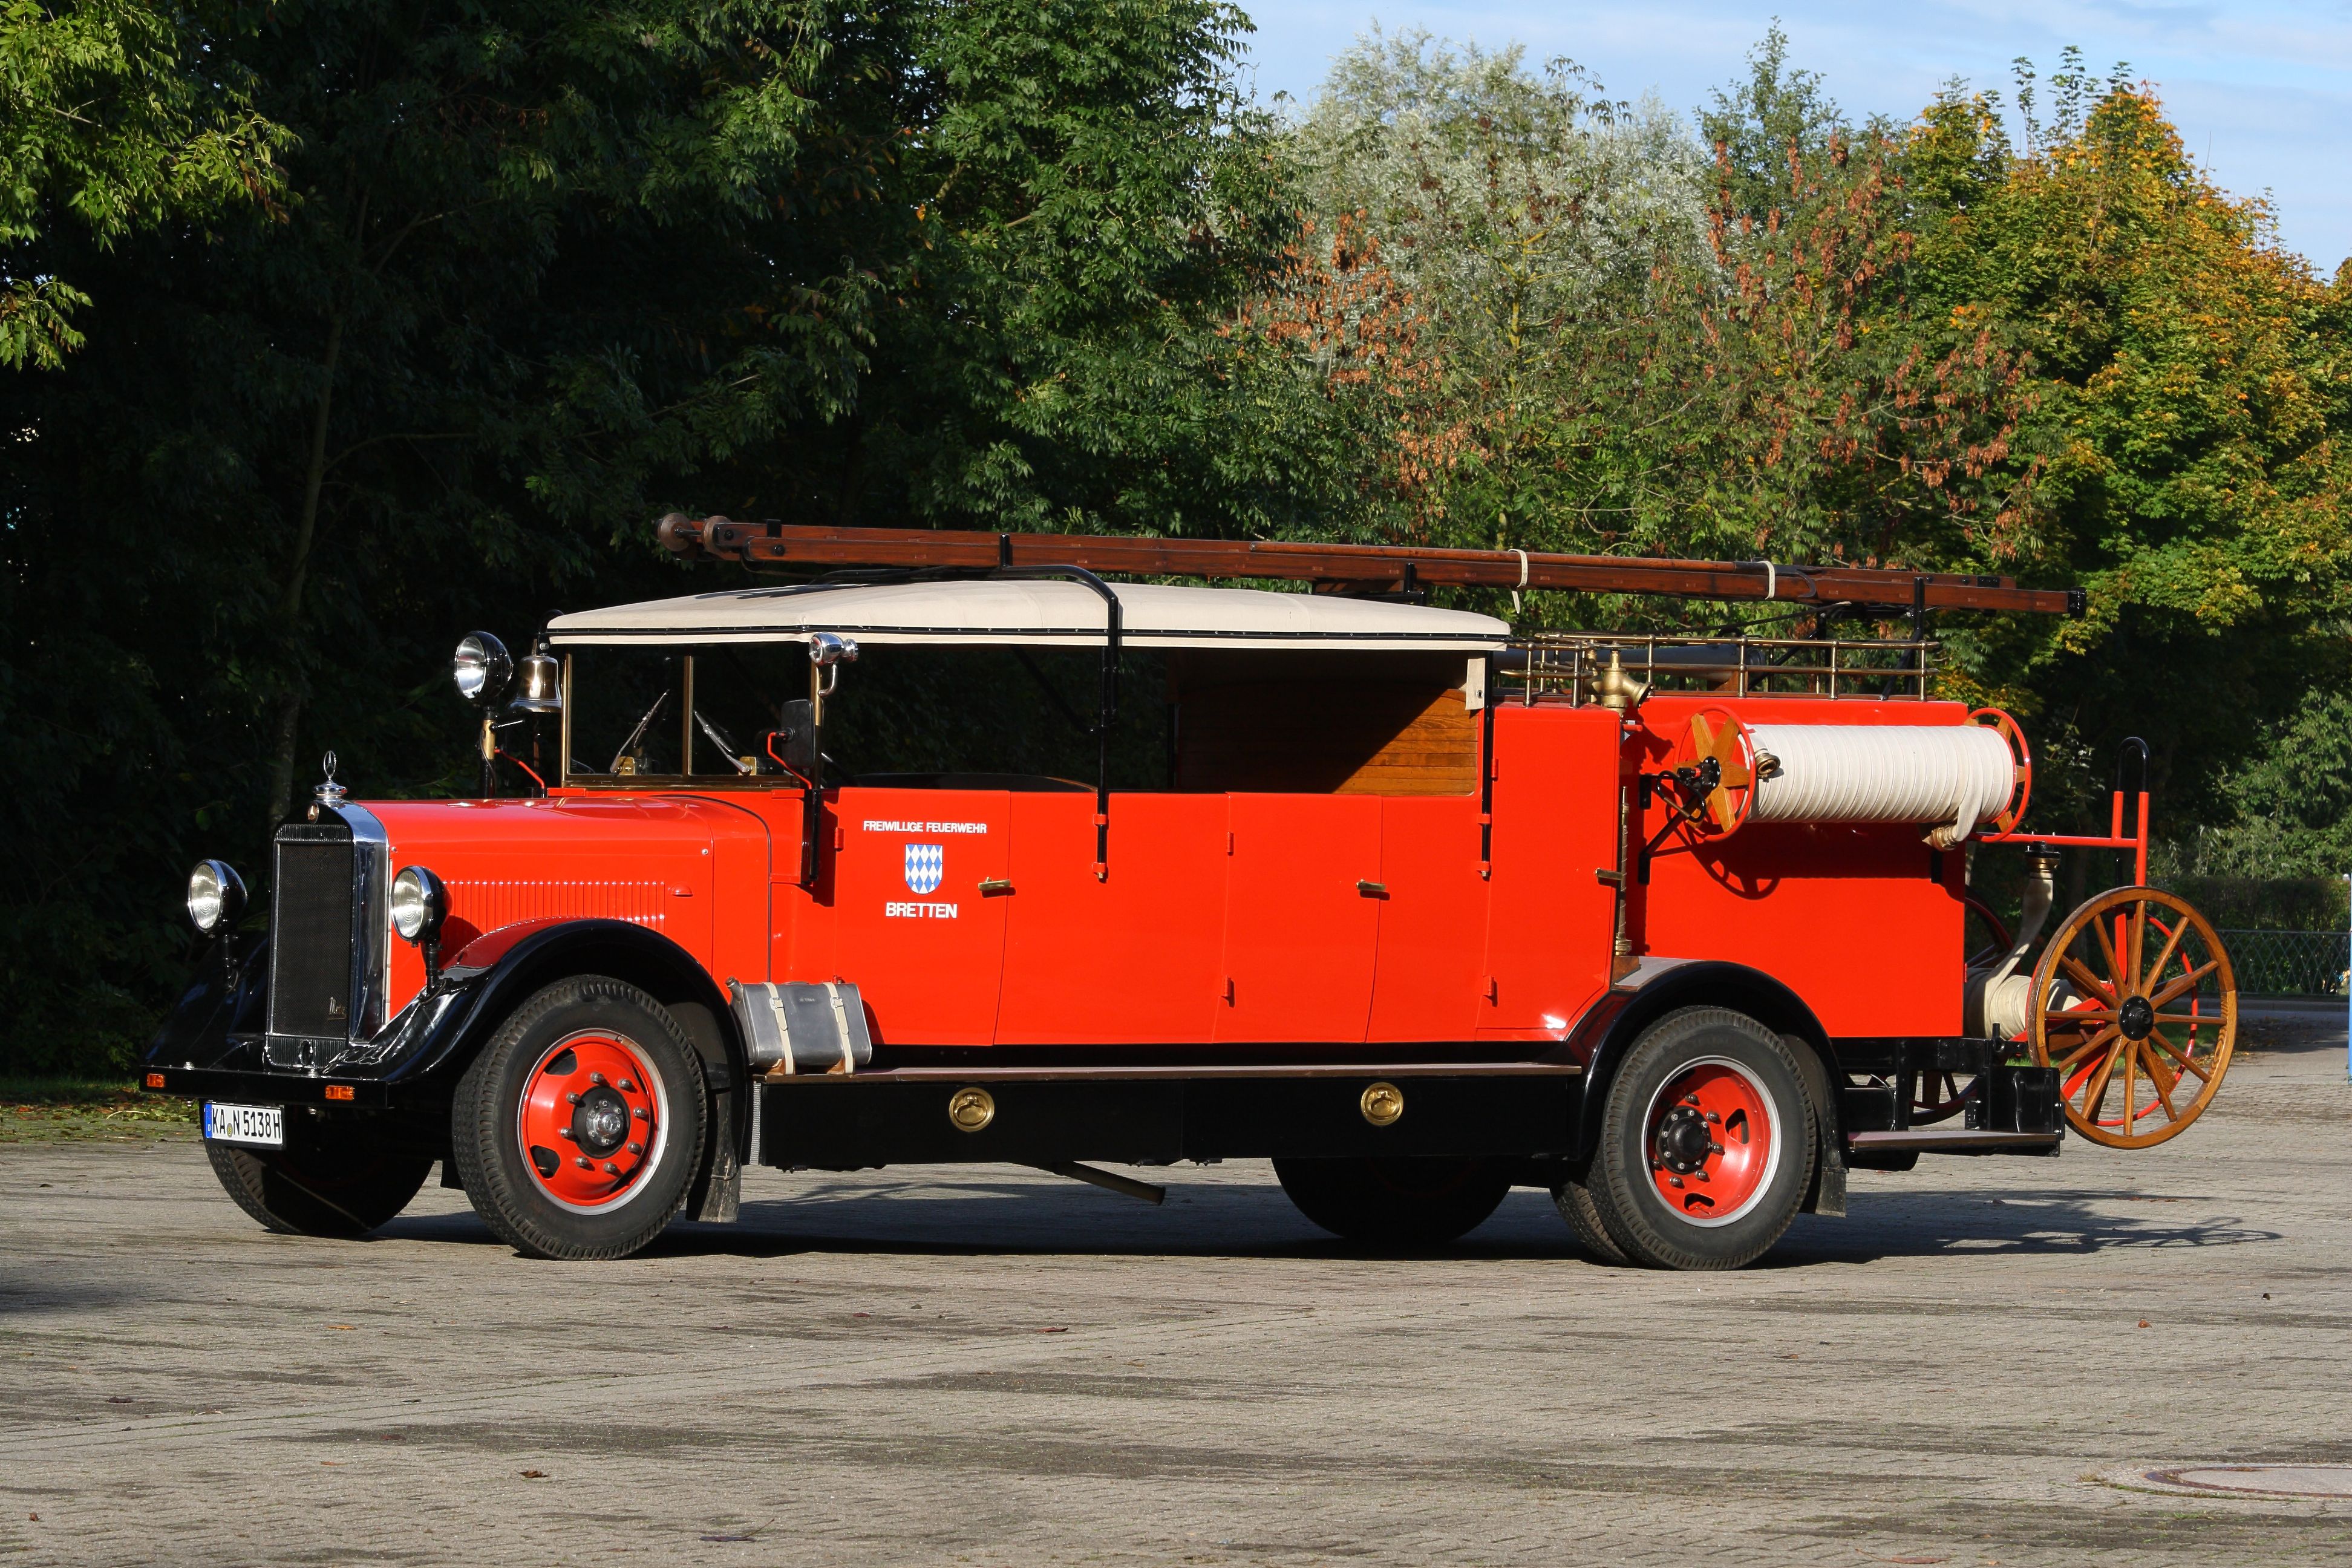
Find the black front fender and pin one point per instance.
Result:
(222, 1012)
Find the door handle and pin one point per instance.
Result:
(1373, 889)
(991, 887)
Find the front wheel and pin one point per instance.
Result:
(578, 1129)
(1400, 1202)
(339, 1179)
(1707, 1143)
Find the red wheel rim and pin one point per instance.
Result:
(592, 1120)
(1713, 1141)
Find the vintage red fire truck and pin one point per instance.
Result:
(920, 846)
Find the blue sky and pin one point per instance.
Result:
(2262, 92)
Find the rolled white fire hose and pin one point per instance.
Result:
(1955, 775)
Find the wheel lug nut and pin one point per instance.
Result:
(571, 1100)
(567, 1132)
(597, 1079)
(642, 1114)
(610, 1169)
(626, 1086)
(585, 1165)
(636, 1147)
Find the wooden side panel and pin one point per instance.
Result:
(1322, 723)
(1133, 960)
(1316, 737)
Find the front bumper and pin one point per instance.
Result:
(287, 1089)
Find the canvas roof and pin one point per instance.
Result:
(1032, 611)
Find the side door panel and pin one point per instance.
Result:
(911, 926)
(1550, 917)
(1133, 960)
(1433, 921)
(1300, 933)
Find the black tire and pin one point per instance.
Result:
(1399, 1202)
(504, 1162)
(339, 1179)
(1574, 1201)
(1667, 1221)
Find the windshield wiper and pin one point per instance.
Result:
(629, 746)
(726, 744)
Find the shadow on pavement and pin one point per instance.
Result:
(928, 1217)
(2023, 1221)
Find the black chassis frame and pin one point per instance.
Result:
(1125, 1105)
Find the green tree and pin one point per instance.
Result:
(1758, 127)
(1558, 323)
(541, 271)
(109, 126)
(2188, 428)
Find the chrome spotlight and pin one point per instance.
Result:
(482, 669)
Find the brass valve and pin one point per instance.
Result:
(1616, 690)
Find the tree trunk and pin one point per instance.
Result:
(290, 604)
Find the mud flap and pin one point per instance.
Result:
(1827, 1194)
(722, 1190)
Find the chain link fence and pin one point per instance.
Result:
(2290, 963)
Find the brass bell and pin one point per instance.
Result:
(540, 689)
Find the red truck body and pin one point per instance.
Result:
(1230, 919)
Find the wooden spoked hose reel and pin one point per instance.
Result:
(2138, 1013)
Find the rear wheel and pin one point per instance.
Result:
(1395, 1202)
(339, 1179)
(1574, 1200)
(578, 1130)
(1707, 1143)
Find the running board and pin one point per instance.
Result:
(1149, 1116)
(1955, 1141)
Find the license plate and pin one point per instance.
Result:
(261, 1124)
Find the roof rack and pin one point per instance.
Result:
(1355, 568)
(1573, 662)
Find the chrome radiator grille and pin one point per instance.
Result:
(311, 933)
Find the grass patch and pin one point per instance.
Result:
(58, 1110)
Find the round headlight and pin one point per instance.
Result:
(482, 669)
(216, 896)
(417, 904)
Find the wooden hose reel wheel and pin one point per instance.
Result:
(2009, 729)
(2143, 1040)
(1717, 733)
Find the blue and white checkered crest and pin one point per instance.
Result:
(926, 864)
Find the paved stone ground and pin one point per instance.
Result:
(990, 1367)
